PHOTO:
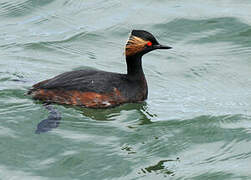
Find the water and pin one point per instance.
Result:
(196, 123)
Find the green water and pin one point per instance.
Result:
(196, 123)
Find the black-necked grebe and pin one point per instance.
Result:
(100, 89)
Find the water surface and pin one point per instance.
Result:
(196, 123)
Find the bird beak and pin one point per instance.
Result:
(159, 46)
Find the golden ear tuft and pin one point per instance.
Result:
(135, 45)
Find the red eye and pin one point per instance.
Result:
(149, 43)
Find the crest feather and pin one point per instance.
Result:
(134, 45)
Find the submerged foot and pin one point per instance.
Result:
(51, 122)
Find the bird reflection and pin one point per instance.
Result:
(108, 114)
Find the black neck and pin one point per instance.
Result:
(134, 66)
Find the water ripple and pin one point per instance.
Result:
(198, 109)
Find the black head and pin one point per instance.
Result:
(141, 42)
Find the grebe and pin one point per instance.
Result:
(100, 89)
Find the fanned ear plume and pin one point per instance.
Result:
(135, 45)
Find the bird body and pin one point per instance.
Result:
(101, 89)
